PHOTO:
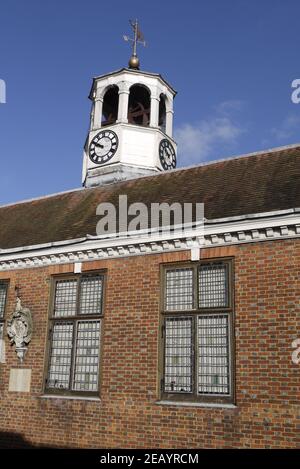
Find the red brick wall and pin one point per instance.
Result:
(267, 382)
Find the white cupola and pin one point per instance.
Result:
(131, 125)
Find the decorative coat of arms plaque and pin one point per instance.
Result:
(19, 329)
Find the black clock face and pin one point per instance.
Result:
(167, 154)
(103, 146)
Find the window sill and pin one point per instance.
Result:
(197, 404)
(74, 398)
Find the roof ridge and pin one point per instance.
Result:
(47, 196)
(158, 174)
(212, 162)
(244, 155)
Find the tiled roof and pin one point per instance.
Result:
(261, 182)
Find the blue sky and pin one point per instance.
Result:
(231, 61)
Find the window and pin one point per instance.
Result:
(162, 113)
(74, 336)
(110, 106)
(197, 341)
(3, 296)
(139, 106)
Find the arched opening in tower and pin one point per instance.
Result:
(110, 106)
(162, 113)
(139, 106)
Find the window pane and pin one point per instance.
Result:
(3, 289)
(91, 295)
(65, 298)
(179, 289)
(213, 340)
(60, 355)
(213, 286)
(178, 355)
(87, 356)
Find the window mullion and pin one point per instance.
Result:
(74, 332)
(74, 339)
(73, 355)
(78, 296)
(196, 288)
(195, 334)
(195, 357)
(52, 301)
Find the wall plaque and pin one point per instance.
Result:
(19, 380)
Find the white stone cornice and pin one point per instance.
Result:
(282, 225)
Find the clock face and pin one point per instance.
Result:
(167, 154)
(103, 146)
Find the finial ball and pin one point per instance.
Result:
(134, 62)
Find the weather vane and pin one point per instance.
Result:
(138, 39)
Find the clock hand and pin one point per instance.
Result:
(98, 145)
(168, 152)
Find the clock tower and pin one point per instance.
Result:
(131, 124)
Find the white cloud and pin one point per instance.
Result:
(227, 108)
(289, 127)
(201, 140)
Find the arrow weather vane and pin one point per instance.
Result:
(138, 39)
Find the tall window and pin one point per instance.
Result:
(74, 337)
(162, 113)
(110, 106)
(3, 295)
(197, 332)
(139, 105)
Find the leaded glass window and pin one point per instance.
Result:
(179, 289)
(213, 353)
(75, 331)
(3, 294)
(178, 355)
(213, 286)
(3, 297)
(197, 332)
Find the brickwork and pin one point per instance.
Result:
(267, 311)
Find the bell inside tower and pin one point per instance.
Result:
(139, 106)
(110, 106)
